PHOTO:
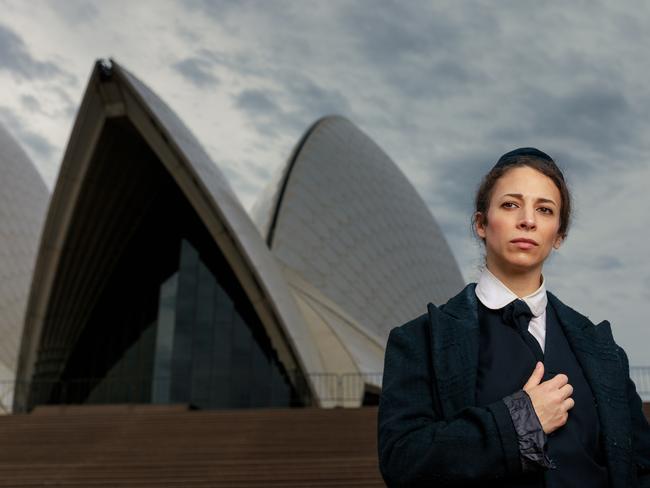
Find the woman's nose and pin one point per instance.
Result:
(527, 221)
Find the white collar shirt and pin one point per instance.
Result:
(492, 293)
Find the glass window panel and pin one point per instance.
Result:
(185, 317)
(162, 370)
(240, 378)
(203, 336)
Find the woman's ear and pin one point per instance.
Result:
(558, 241)
(479, 224)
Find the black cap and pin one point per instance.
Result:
(512, 157)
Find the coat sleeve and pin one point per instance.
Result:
(640, 428)
(416, 444)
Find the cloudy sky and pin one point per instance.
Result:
(443, 87)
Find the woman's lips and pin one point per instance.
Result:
(524, 243)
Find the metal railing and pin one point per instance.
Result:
(345, 389)
(641, 377)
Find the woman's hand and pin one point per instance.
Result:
(551, 399)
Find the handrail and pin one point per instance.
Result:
(641, 377)
(334, 389)
(344, 389)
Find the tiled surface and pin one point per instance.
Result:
(354, 227)
(345, 345)
(23, 203)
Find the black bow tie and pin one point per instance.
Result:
(517, 315)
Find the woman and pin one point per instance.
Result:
(504, 385)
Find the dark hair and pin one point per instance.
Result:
(484, 193)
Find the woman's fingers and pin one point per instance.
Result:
(536, 376)
(559, 380)
(568, 404)
(566, 391)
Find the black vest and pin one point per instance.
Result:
(506, 363)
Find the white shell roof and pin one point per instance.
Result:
(345, 218)
(201, 181)
(23, 203)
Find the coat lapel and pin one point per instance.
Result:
(597, 353)
(455, 341)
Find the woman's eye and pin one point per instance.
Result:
(509, 205)
(546, 210)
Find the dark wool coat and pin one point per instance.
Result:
(431, 433)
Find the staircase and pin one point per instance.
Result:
(170, 446)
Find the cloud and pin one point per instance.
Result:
(238, 62)
(290, 108)
(584, 129)
(196, 70)
(417, 51)
(263, 113)
(313, 100)
(217, 9)
(397, 32)
(256, 103)
(75, 11)
(69, 106)
(456, 181)
(607, 262)
(30, 103)
(595, 116)
(36, 143)
(247, 176)
(16, 59)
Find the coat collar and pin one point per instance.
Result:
(455, 350)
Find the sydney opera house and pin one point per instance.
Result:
(143, 279)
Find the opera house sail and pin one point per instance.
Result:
(360, 249)
(23, 203)
(153, 285)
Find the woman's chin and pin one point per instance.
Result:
(522, 265)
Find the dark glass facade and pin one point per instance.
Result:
(171, 323)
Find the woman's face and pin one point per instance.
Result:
(523, 221)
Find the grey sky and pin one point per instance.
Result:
(444, 88)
